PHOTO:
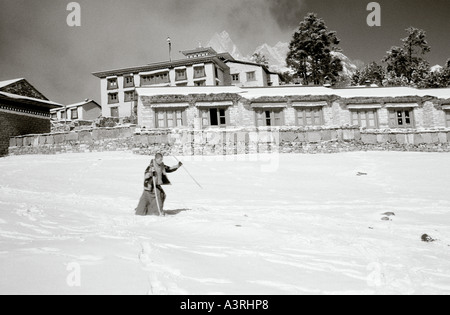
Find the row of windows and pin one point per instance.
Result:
(219, 117)
(157, 78)
(113, 98)
(236, 78)
(128, 81)
(73, 115)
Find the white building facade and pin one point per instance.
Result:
(88, 110)
(202, 67)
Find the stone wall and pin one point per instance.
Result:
(15, 123)
(233, 141)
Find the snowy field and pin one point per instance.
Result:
(67, 226)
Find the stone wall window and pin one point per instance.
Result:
(170, 118)
(235, 78)
(128, 81)
(312, 116)
(215, 117)
(113, 98)
(269, 117)
(401, 118)
(367, 118)
(74, 114)
(199, 72)
(112, 84)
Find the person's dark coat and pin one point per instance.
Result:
(152, 200)
(148, 182)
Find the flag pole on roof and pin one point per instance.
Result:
(169, 41)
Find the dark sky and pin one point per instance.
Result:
(37, 44)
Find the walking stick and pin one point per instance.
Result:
(155, 188)
(188, 172)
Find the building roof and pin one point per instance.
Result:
(266, 69)
(254, 93)
(9, 82)
(162, 65)
(7, 85)
(377, 92)
(29, 100)
(207, 50)
(439, 93)
(77, 105)
(191, 90)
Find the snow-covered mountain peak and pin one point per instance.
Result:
(436, 69)
(222, 42)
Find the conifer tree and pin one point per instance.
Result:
(310, 52)
(409, 59)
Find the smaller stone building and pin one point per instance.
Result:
(88, 110)
(23, 110)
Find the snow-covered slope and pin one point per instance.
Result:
(310, 227)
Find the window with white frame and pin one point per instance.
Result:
(170, 118)
(128, 81)
(157, 78)
(180, 75)
(365, 118)
(113, 98)
(130, 96)
(63, 115)
(112, 84)
(74, 113)
(309, 116)
(401, 118)
(199, 72)
(214, 117)
(269, 117)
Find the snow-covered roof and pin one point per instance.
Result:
(76, 105)
(9, 82)
(254, 93)
(439, 93)
(25, 98)
(162, 65)
(160, 91)
(376, 92)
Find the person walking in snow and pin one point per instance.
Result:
(153, 198)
